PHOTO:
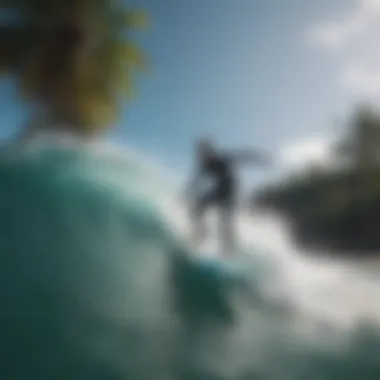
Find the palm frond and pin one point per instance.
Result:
(75, 56)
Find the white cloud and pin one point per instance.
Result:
(337, 33)
(356, 29)
(362, 80)
(303, 152)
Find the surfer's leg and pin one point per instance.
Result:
(227, 229)
(198, 219)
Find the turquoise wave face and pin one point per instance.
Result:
(93, 282)
(96, 285)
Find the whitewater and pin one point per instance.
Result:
(99, 282)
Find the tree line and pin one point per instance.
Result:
(336, 208)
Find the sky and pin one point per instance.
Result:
(280, 76)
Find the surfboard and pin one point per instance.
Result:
(221, 267)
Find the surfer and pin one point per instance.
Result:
(220, 167)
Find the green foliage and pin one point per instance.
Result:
(79, 81)
(340, 208)
(362, 141)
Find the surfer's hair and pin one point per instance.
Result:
(205, 143)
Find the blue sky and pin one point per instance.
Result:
(251, 73)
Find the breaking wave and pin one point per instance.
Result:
(98, 282)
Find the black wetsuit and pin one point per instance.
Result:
(222, 196)
(223, 191)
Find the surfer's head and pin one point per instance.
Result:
(205, 148)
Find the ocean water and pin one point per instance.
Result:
(98, 282)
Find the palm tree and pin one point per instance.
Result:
(362, 143)
(72, 58)
(362, 148)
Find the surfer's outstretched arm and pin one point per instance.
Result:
(250, 157)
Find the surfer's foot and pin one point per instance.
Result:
(227, 254)
(198, 239)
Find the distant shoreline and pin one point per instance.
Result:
(328, 213)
